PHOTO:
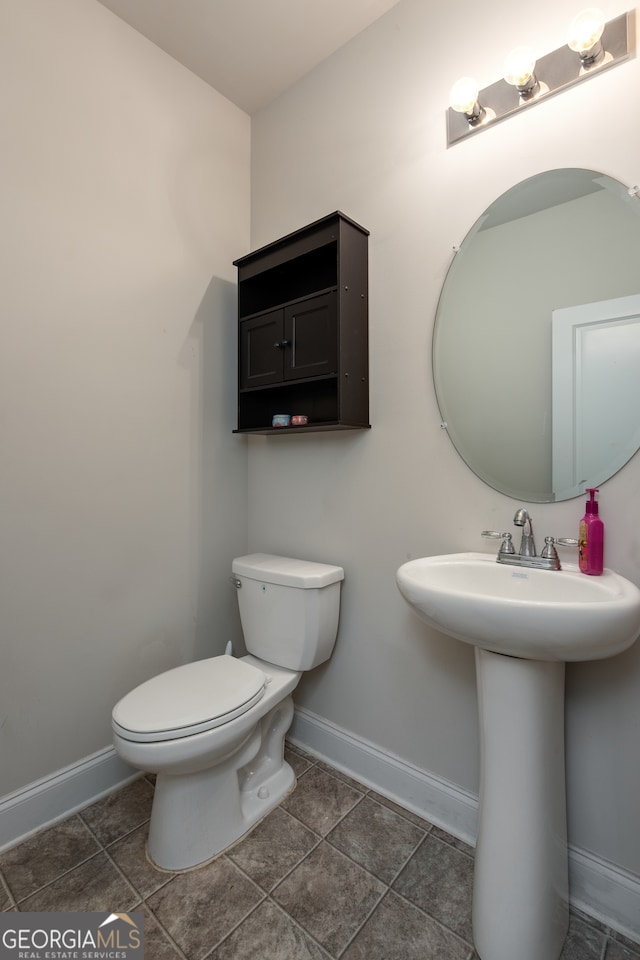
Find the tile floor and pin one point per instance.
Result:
(335, 872)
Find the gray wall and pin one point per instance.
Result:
(124, 192)
(365, 133)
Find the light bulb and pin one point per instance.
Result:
(585, 32)
(519, 66)
(463, 97)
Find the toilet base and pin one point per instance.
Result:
(197, 816)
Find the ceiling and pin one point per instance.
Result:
(249, 50)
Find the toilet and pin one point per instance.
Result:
(213, 730)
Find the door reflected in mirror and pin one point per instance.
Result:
(537, 337)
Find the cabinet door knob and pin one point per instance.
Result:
(281, 344)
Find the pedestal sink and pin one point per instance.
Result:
(524, 624)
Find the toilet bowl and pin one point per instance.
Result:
(213, 731)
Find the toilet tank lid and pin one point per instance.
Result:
(286, 571)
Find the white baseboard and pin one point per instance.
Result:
(600, 889)
(605, 891)
(61, 794)
(437, 800)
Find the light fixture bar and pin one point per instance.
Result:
(555, 72)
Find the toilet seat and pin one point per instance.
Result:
(188, 700)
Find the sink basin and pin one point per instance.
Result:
(523, 612)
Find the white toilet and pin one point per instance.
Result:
(213, 731)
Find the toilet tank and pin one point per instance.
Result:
(289, 608)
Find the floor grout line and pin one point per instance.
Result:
(164, 931)
(430, 916)
(236, 926)
(306, 932)
(364, 922)
(9, 894)
(60, 876)
(121, 872)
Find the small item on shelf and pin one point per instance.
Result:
(280, 420)
(299, 420)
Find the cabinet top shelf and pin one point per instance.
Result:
(316, 226)
(329, 425)
(278, 305)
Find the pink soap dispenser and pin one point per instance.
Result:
(591, 539)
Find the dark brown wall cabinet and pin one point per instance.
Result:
(303, 329)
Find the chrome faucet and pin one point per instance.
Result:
(527, 544)
(527, 557)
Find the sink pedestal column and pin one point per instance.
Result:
(520, 892)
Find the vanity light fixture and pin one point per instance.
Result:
(585, 35)
(598, 45)
(463, 98)
(519, 70)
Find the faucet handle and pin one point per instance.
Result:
(549, 551)
(507, 541)
(549, 544)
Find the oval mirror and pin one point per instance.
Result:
(536, 349)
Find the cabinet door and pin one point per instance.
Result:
(261, 350)
(311, 337)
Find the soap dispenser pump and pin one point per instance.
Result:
(591, 539)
